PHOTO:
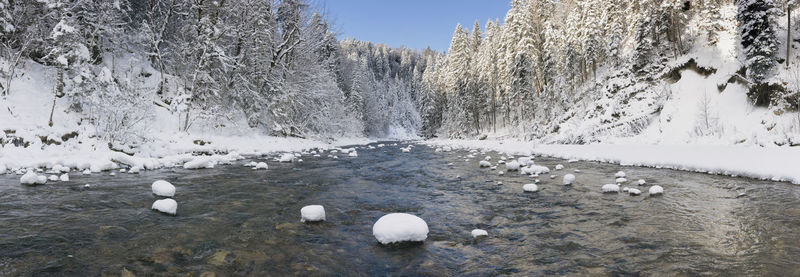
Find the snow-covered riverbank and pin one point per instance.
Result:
(769, 163)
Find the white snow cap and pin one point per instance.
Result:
(656, 190)
(86, 172)
(399, 227)
(610, 188)
(512, 166)
(167, 206)
(405, 150)
(488, 158)
(500, 172)
(30, 178)
(289, 157)
(568, 179)
(261, 165)
(642, 182)
(621, 180)
(312, 213)
(163, 188)
(633, 191)
(64, 177)
(200, 162)
(620, 174)
(559, 167)
(251, 164)
(626, 189)
(524, 161)
(52, 178)
(530, 188)
(479, 233)
(353, 154)
(484, 164)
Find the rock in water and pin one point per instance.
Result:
(530, 188)
(479, 233)
(633, 191)
(261, 165)
(512, 166)
(287, 158)
(642, 182)
(163, 188)
(484, 164)
(568, 179)
(400, 227)
(656, 190)
(559, 167)
(167, 206)
(312, 213)
(620, 174)
(610, 188)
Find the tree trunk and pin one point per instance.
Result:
(788, 34)
(52, 109)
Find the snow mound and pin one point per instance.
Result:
(524, 161)
(633, 191)
(512, 166)
(64, 177)
(312, 213)
(559, 167)
(405, 150)
(30, 178)
(485, 164)
(641, 182)
(353, 154)
(656, 190)
(199, 163)
(163, 188)
(288, 158)
(621, 180)
(568, 179)
(400, 227)
(167, 206)
(620, 174)
(535, 169)
(52, 178)
(251, 164)
(610, 188)
(530, 188)
(261, 165)
(479, 233)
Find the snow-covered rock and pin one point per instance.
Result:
(163, 188)
(86, 172)
(568, 179)
(656, 190)
(559, 167)
(261, 165)
(535, 169)
(633, 191)
(64, 177)
(52, 178)
(167, 206)
(642, 182)
(405, 150)
(488, 158)
(626, 189)
(479, 233)
(512, 166)
(251, 164)
(610, 188)
(500, 172)
(400, 227)
(485, 163)
(353, 154)
(524, 161)
(200, 162)
(620, 174)
(312, 213)
(621, 180)
(135, 170)
(501, 162)
(288, 157)
(30, 178)
(530, 188)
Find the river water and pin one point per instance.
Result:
(233, 220)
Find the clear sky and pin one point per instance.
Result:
(411, 23)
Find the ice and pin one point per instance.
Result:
(64, 177)
(288, 157)
(400, 227)
(479, 233)
(261, 165)
(633, 191)
(568, 179)
(559, 167)
(620, 174)
(610, 188)
(621, 180)
(530, 188)
(167, 206)
(163, 188)
(642, 182)
(200, 162)
(656, 190)
(312, 213)
(485, 164)
(512, 166)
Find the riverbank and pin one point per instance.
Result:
(766, 163)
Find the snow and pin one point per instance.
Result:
(620, 174)
(167, 206)
(261, 165)
(610, 188)
(312, 213)
(400, 227)
(200, 162)
(30, 178)
(163, 188)
(535, 169)
(524, 161)
(656, 190)
(512, 166)
(641, 182)
(52, 178)
(353, 154)
(484, 164)
(568, 179)
(405, 150)
(633, 191)
(621, 180)
(559, 167)
(251, 164)
(64, 177)
(488, 158)
(530, 188)
(479, 233)
(287, 158)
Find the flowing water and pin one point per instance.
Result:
(233, 220)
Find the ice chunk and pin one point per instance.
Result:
(163, 188)
(485, 164)
(633, 191)
(568, 179)
(512, 166)
(559, 167)
(167, 206)
(620, 174)
(479, 233)
(610, 188)
(641, 182)
(288, 157)
(530, 188)
(312, 213)
(400, 227)
(64, 177)
(656, 190)
(261, 165)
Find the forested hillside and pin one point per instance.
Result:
(554, 71)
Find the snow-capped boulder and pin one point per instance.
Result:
(530, 188)
(86, 172)
(64, 177)
(261, 165)
(353, 154)
(167, 206)
(52, 178)
(524, 161)
(135, 170)
(312, 213)
(535, 169)
(251, 164)
(500, 172)
(479, 233)
(656, 190)
(488, 158)
(568, 179)
(163, 188)
(400, 227)
(484, 164)
(620, 174)
(559, 166)
(642, 182)
(288, 157)
(30, 178)
(405, 150)
(200, 162)
(610, 188)
(621, 180)
(626, 189)
(633, 191)
(512, 166)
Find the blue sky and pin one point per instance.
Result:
(410, 23)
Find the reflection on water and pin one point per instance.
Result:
(233, 220)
